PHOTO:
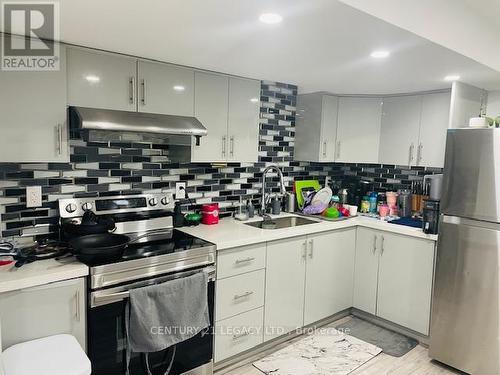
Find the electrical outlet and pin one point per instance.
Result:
(33, 196)
(180, 190)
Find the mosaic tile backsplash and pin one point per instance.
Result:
(100, 169)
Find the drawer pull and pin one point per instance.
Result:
(240, 335)
(240, 296)
(245, 260)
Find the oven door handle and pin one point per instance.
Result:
(100, 298)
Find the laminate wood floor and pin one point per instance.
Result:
(415, 362)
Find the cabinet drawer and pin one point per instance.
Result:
(241, 260)
(238, 294)
(239, 333)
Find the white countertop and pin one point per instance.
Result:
(231, 233)
(39, 273)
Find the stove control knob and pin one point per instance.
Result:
(165, 201)
(87, 206)
(153, 202)
(70, 208)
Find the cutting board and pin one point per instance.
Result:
(305, 184)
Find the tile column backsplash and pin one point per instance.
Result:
(100, 169)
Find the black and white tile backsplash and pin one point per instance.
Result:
(100, 169)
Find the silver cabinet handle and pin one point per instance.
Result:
(311, 248)
(374, 244)
(244, 295)
(246, 260)
(131, 93)
(410, 157)
(223, 146)
(77, 306)
(240, 335)
(304, 250)
(338, 149)
(419, 153)
(59, 139)
(231, 146)
(382, 246)
(143, 89)
(324, 148)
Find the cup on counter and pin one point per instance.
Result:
(353, 210)
(384, 210)
(392, 198)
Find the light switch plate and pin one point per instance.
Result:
(180, 190)
(33, 196)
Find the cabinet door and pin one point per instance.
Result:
(365, 270)
(41, 311)
(211, 108)
(358, 130)
(285, 276)
(405, 281)
(400, 130)
(328, 139)
(33, 109)
(433, 128)
(329, 274)
(308, 127)
(165, 89)
(101, 80)
(243, 119)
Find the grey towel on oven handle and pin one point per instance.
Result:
(179, 307)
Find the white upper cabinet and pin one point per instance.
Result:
(211, 108)
(400, 130)
(466, 101)
(329, 274)
(243, 119)
(34, 121)
(316, 127)
(101, 80)
(358, 129)
(165, 89)
(433, 128)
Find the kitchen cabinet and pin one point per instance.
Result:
(393, 278)
(51, 309)
(405, 281)
(211, 107)
(284, 299)
(165, 89)
(466, 101)
(316, 127)
(101, 80)
(33, 106)
(358, 129)
(329, 274)
(243, 119)
(400, 130)
(433, 129)
(229, 108)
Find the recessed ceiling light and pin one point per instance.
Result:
(254, 100)
(179, 88)
(452, 77)
(380, 54)
(270, 18)
(92, 78)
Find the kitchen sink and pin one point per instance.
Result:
(281, 222)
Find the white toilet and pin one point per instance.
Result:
(53, 355)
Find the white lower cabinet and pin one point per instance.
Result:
(329, 274)
(393, 278)
(285, 267)
(46, 310)
(239, 333)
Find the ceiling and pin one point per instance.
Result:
(321, 45)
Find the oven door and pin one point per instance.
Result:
(107, 338)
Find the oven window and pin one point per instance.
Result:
(107, 344)
(116, 204)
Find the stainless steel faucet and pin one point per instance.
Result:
(282, 187)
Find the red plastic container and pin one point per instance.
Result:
(210, 213)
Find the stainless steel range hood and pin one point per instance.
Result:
(110, 125)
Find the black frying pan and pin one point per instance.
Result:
(100, 246)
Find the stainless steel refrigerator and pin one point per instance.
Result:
(465, 321)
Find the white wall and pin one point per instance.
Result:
(459, 25)
(493, 109)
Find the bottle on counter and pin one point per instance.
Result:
(373, 202)
(250, 209)
(365, 204)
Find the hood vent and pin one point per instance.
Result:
(109, 125)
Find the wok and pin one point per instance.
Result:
(102, 246)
